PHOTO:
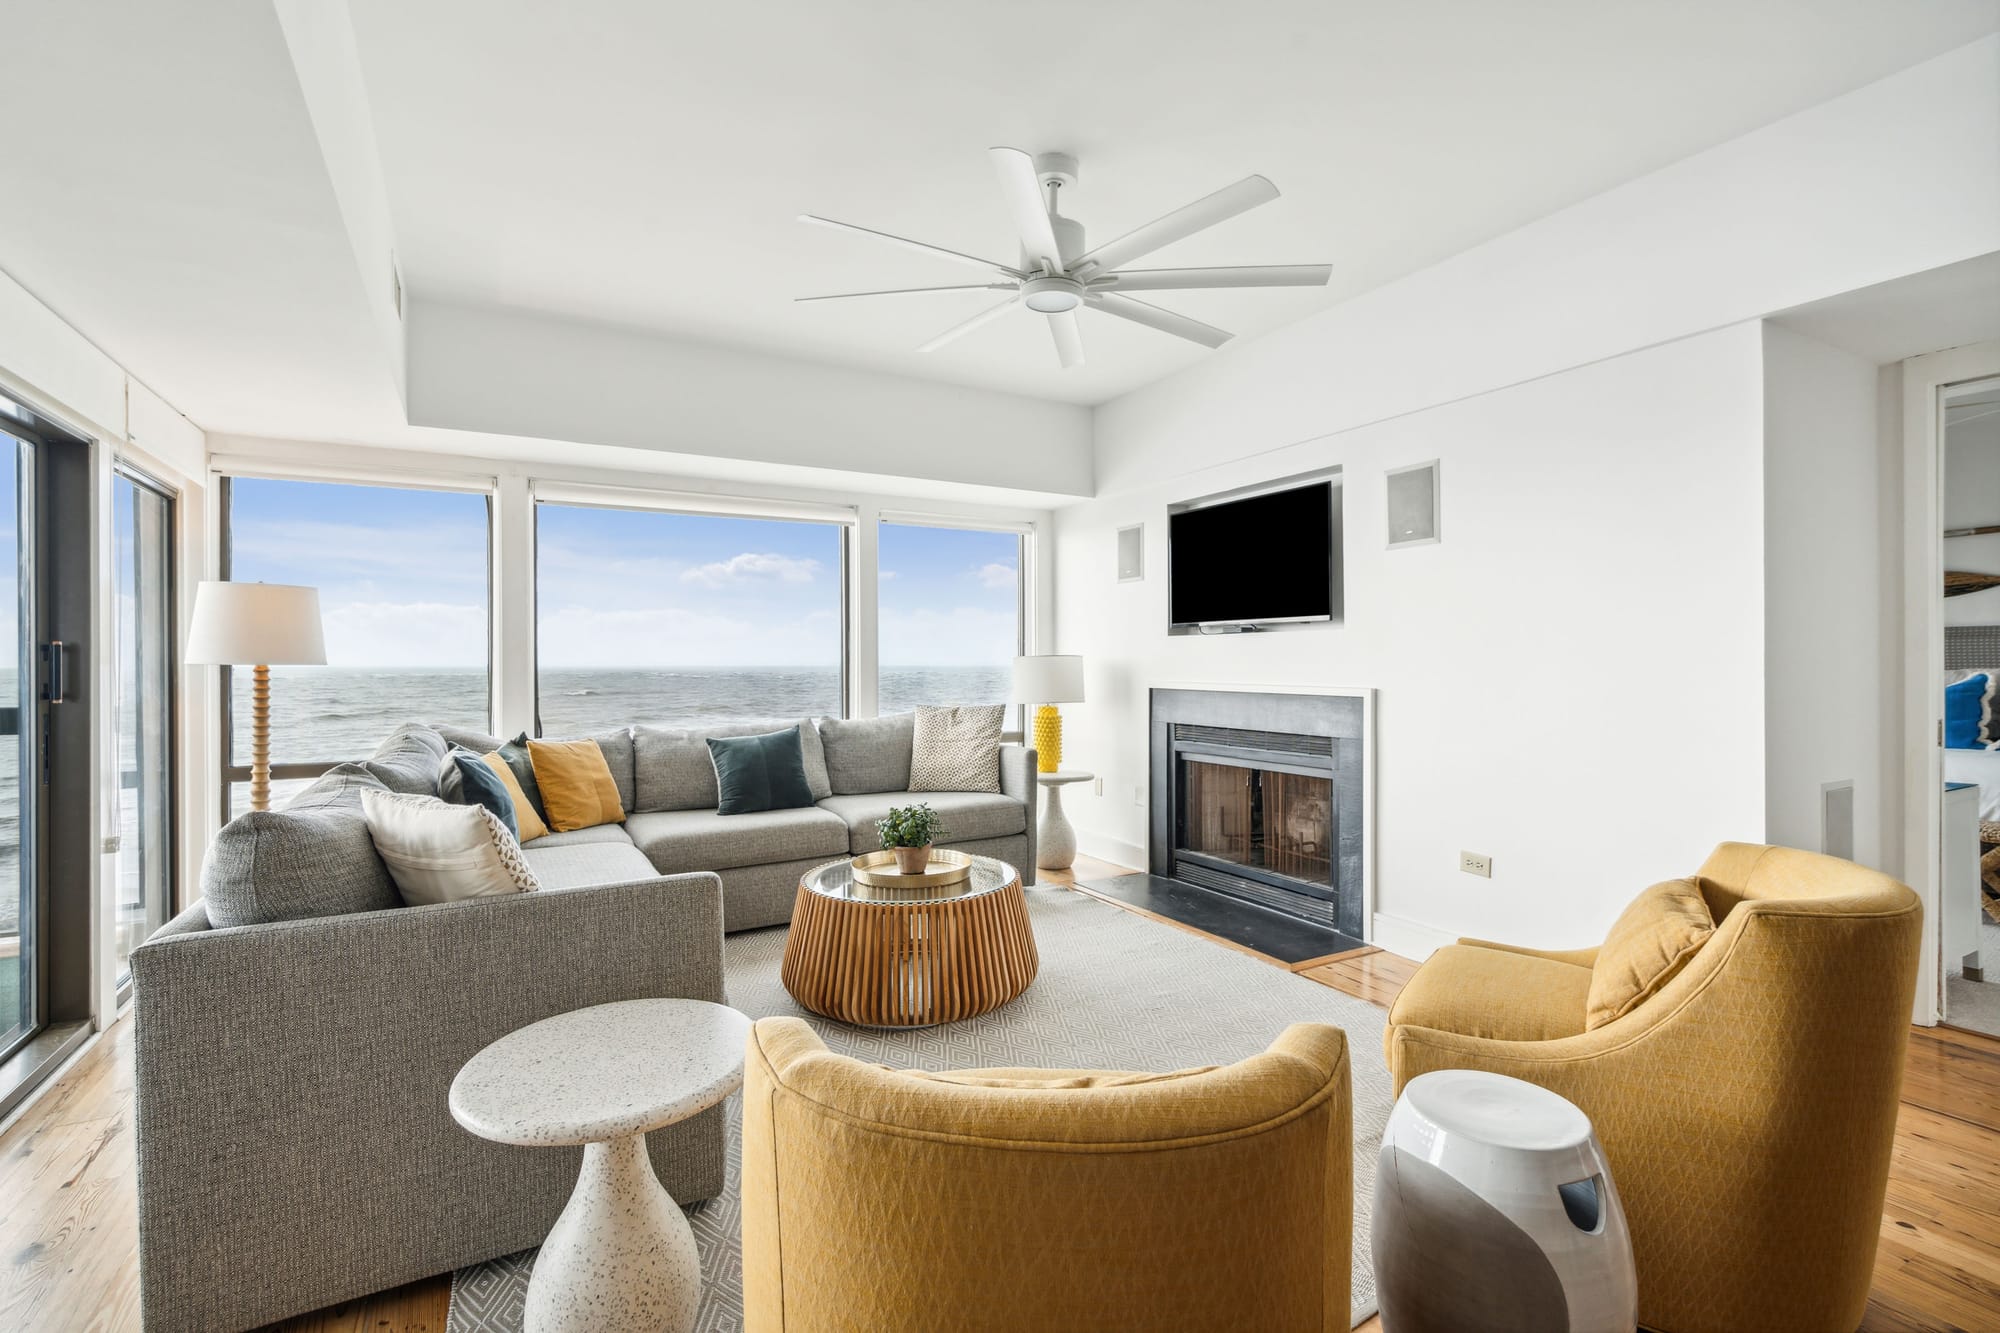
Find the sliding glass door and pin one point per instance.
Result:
(142, 552)
(20, 979)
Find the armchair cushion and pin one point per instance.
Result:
(1494, 993)
(1649, 944)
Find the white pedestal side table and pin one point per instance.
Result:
(1055, 837)
(621, 1258)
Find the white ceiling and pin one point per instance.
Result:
(641, 164)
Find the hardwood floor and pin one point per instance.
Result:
(69, 1248)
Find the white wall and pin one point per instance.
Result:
(1832, 617)
(1572, 681)
(505, 373)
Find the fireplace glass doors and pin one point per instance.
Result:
(1259, 818)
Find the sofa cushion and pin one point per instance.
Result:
(674, 770)
(969, 816)
(762, 772)
(677, 840)
(617, 748)
(577, 837)
(868, 754)
(957, 748)
(408, 761)
(438, 852)
(577, 788)
(1491, 993)
(1650, 942)
(312, 858)
(576, 865)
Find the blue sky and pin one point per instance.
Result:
(402, 580)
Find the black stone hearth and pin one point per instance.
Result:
(1283, 937)
(1257, 800)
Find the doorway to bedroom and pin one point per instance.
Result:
(1969, 897)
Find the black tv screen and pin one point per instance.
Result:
(1265, 557)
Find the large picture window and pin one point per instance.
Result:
(685, 620)
(950, 614)
(403, 583)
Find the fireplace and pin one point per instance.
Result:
(1258, 797)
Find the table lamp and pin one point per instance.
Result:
(258, 625)
(1048, 679)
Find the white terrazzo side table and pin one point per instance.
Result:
(1055, 837)
(621, 1258)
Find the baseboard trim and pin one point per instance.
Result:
(1408, 939)
(1116, 851)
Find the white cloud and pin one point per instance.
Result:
(995, 575)
(957, 636)
(752, 565)
(885, 574)
(404, 634)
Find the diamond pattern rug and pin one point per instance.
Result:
(1115, 991)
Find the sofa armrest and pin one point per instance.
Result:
(1017, 779)
(292, 1077)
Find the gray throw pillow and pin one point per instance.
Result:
(867, 754)
(312, 858)
(957, 749)
(408, 760)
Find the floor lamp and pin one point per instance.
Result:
(258, 625)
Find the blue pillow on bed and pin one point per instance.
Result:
(1967, 706)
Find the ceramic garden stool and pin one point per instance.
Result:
(1495, 1212)
(621, 1258)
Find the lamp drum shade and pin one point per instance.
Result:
(255, 624)
(1050, 678)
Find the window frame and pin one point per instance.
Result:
(228, 771)
(1025, 534)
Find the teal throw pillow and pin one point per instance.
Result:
(765, 772)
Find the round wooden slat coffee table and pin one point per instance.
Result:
(909, 958)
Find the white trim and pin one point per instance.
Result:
(911, 518)
(475, 481)
(1409, 939)
(1923, 643)
(1114, 851)
(700, 503)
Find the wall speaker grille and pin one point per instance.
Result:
(1132, 553)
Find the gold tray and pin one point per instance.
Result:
(879, 870)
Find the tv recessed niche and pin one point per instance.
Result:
(1259, 558)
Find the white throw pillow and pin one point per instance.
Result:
(438, 852)
(957, 749)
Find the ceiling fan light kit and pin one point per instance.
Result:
(1057, 277)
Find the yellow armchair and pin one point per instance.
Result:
(1748, 1107)
(1009, 1199)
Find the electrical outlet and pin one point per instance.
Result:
(1139, 796)
(1097, 787)
(1476, 863)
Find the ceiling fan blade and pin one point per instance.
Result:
(1069, 338)
(1203, 213)
(1023, 188)
(956, 331)
(1187, 279)
(919, 246)
(1166, 321)
(913, 291)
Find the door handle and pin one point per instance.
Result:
(55, 691)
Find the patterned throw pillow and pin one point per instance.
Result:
(957, 749)
(438, 852)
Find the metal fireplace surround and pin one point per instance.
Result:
(1312, 735)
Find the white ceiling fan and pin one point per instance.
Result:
(1057, 275)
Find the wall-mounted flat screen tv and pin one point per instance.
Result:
(1262, 559)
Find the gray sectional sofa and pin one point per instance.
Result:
(297, 1030)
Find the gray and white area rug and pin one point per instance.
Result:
(1115, 991)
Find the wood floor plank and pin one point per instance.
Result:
(69, 1232)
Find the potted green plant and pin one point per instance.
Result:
(909, 831)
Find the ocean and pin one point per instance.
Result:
(330, 714)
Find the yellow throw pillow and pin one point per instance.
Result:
(1649, 944)
(577, 787)
(525, 818)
